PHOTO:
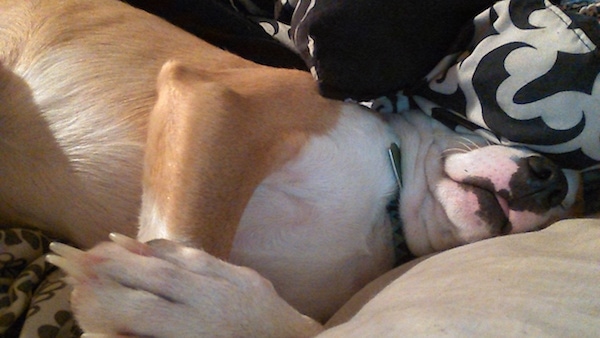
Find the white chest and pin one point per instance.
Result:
(320, 223)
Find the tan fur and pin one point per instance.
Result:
(187, 139)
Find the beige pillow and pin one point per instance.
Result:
(545, 283)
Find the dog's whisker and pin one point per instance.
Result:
(455, 150)
(475, 145)
(447, 152)
(467, 146)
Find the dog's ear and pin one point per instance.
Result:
(213, 136)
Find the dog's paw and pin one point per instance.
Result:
(162, 289)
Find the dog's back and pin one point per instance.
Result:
(74, 110)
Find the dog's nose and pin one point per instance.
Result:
(538, 185)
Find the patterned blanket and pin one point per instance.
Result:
(34, 301)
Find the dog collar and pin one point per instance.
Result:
(396, 159)
(401, 251)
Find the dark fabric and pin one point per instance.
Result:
(218, 23)
(365, 49)
(254, 7)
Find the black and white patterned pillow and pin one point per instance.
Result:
(529, 76)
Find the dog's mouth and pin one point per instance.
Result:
(493, 209)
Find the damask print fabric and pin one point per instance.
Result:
(529, 74)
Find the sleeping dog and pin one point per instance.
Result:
(111, 117)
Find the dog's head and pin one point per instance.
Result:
(458, 189)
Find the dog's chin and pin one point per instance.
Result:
(459, 214)
(455, 214)
(473, 212)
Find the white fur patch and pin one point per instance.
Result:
(323, 216)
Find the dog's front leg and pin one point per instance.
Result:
(163, 289)
(206, 152)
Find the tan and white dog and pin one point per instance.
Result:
(111, 118)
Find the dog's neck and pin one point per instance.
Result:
(413, 130)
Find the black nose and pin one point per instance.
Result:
(538, 185)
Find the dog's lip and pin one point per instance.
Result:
(503, 204)
(483, 184)
(495, 209)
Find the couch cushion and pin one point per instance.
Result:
(543, 283)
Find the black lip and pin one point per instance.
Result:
(490, 210)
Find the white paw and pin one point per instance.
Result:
(163, 289)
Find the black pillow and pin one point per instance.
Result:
(364, 49)
(218, 22)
